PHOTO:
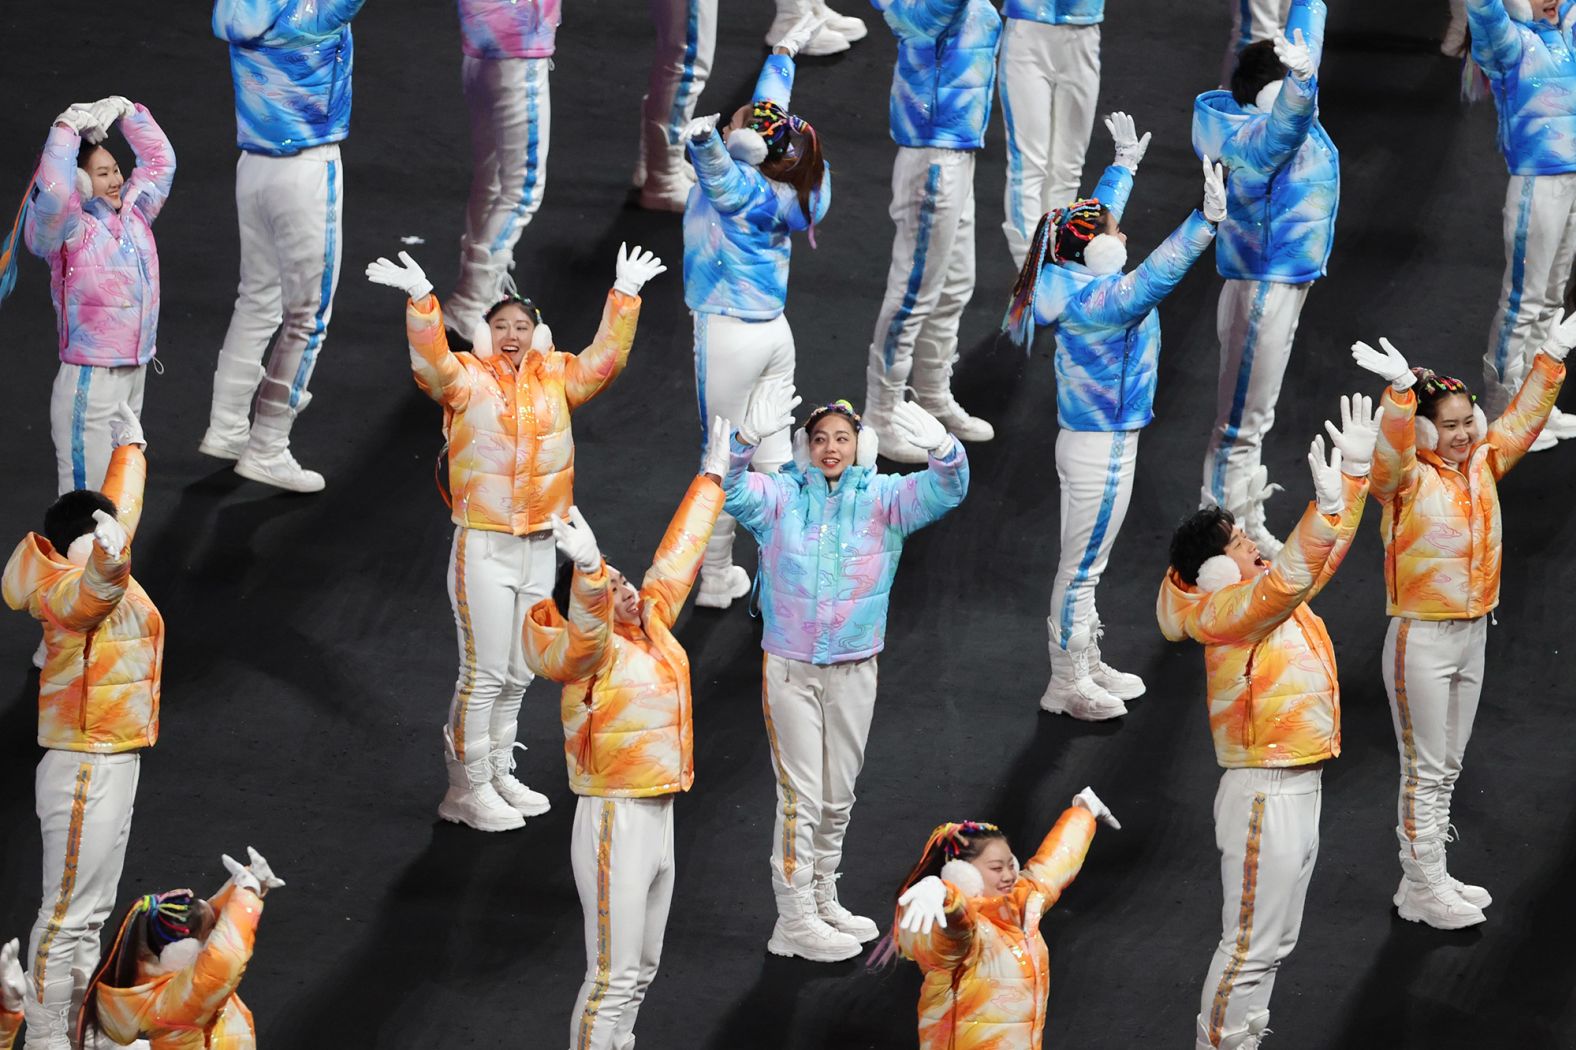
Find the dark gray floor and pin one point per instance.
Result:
(311, 654)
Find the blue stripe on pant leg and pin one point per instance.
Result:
(325, 295)
(1102, 522)
(1518, 276)
(1239, 397)
(1014, 166)
(1245, 25)
(79, 426)
(700, 381)
(916, 270)
(533, 183)
(681, 100)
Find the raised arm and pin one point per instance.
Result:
(775, 84)
(1266, 145)
(1512, 434)
(195, 994)
(912, 501)
(935, 945)
(1496, 40)
(755, 499)
(1308, 16)
(729, 184)
(155, 171)
(1356, 493)
(672, 573)
(123, 484)
(1061, 854)
(280, 22)
(588, 373)
(55, 214)
(1124, 301)
(574, 651)
(1113, 189)
(438, 371)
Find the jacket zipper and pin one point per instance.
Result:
(1247, 721)
(1395, 523)
(585, 746)
(87, 659)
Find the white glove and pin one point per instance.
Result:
(719, 453)
(575, 539)
(1130, 149)
(125, 428)
(769, 409)
(1562, 337)
(1327, 489)
(700, 127)
(919, 428)
(1295, 56)
(106, 111)
(1101, 812)
(79, 117)
(1358, 434)
(1389, 365)
(263, 870)
(799, 35)
(924, 905)
(109, 534)
(1214, 191)
(13, 983)
(635, 268)
(408, 278)
(241, 876)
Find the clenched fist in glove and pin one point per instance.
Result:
(1099, 810)
(635, 268)
(575, 539)
(719, 453)
(1358, 434)
(109, 534)
(1327, 489)
(1130, 149)
(1562, 337)
(1214, 208)
(404, 275)
(125, 428)
(919, 428)
(924, 905)
(769, 409)
(700, 127)
(1388, 365)
(1295, 56)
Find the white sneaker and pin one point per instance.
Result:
(801, 933)
(719, 591)
(848, 27)
(1561, 424)
(1544, 441)
(838, 917)
(279, 470)
(515, 794)
(1476, 896)
(225, 443)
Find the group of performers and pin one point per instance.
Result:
(533, 595)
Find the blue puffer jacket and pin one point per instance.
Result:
(1531, 68)
(1056, 12)
(291, 62)
(946, 71)
(738, 223)
(1285, 179)
(1107, 330)
(828, 555)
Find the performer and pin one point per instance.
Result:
(931, 277)
(1252, 21)
(98, 707)
(686, 32)
(291, 61)
(1527, 50)
(1436, 474)
(1049, 82)
(506, 423)
(834, 33)
(1107, 363)
(172, 973)
(1274, 710)
(508, 53)
(831, 531)
(87, 221)
(761, 180)
(628, 741)
(1274, 243)
(971, 920)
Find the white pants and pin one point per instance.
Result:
(1256, 322)
(817, 722)
(1050, 83)
(84, 803)
(1251, 21)
(732, 357)
(511, 115)
(680, 65)
(1267, 831)
(81, 405)
(621, 850)
(1095, 469)
(291, 212)
(931, 277)
(1540, 246)
(1433, 673)
(494, 579)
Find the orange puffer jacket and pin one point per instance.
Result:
(1274, 695)
(10, 1024)
(987, 971)
(103, 636)
(511, 452)
(1441, 526)
(628, 728)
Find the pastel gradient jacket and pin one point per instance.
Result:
(103, 636)
(1274, 694)
(1285, 182)
(738, 224)
(1531, 69)
(987, 971)
(509, 28)
(1056, 12)
(195, 1008)
(946, 71)
(291, 61)
(1443, 541)
(629, 731)
(511, 450)
(1107, 328)
(103, 263)
(828, 555)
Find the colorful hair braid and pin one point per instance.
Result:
(169, 917)
(1018, 322)
(1076, 225)
(13, 241)
(772, 123)
(840, 407)
(1434, 386)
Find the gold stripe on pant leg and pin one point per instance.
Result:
(790, 797)
(604, 926)
(1250, 886)
(68, 876)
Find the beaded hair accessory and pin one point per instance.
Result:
(842, 407)
(1435, 385)
(169, 917)
(772, 123)
(1080, 221)
(954, 837)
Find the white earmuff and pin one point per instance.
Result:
(747, 145)
(541, 337)
(1479, 424)
(1425, 434)
(1265, 99)
(84, 184)
(481, 339)
(965, 876)
(1217, 572)
(869, 445)
(801, 450)
(1105, 254)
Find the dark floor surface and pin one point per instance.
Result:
(311, 653)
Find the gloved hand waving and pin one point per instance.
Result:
(575, 539)
(1294, 55)
(404, 275)
(635, 268)
(1101, 812)
(125, 428)
(1327, 488)
(1388, 365)
(1214, 208)
(1358, 434)
(109, 534)
(924, 905)
(769, 409)
(13, 982)
(241, 875)
(1130, 149)
(1562, 336)
(919, 428)
(718, 451)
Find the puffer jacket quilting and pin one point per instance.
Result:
(945, 75)
(1531, 70)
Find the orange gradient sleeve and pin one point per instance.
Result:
(438, 372)
(123, 484)
(1394, 470)
(1346, 531)
(943, 947)
(573, 651)
(195, 995)
(672, 573)
(1061, 854)
(10, 1024)
(1241, 613)
(588, 373)
(1512, 434)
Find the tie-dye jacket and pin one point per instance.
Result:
(509, 28)
(1056, 12)
(511, 449)
(291, 61)
(946, 71)
(103, 263)
(1285, 182)
(1531, 69)
(629, 731)
(738, 224)
(828, 555)
(1107, 330)
(1274, 694)
(196, 1007)
(1443, 543)
(103, 636)
(987, 971)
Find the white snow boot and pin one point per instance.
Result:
(1119, 684)
(1072, 689)
(801, 932)
(1426, 894)
(518, 797)
(471, 799)
(882, 395)
(234, 386)
(838, 917)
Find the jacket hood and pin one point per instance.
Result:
(1216, 117)
(123, 1022)
(1175, 605)
(33, 564)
